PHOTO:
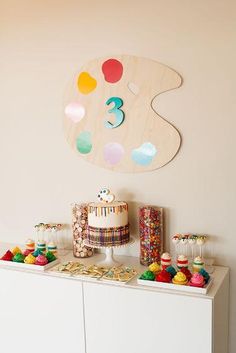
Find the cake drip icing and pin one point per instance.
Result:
(102, 210)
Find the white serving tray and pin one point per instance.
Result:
(30, 267)
(176, 287)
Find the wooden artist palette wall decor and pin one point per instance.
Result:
(109, 117)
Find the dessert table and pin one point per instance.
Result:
(46, 311)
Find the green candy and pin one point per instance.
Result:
(148, 275)
(50, 256)
(18, 258)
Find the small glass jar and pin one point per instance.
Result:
(79, 230)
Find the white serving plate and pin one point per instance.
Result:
(176, 287)
(30, 267)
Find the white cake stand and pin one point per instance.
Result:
(109, 260)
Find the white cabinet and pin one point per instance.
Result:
(66, 315)
(124, 320)
(40, 314)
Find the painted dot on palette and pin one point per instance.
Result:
(83, 142)
(144, 154)
(86, 83)
(113, 153)
(112, 70)
(75, 112)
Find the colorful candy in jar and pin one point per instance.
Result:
(151, 234)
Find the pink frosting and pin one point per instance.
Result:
(197, 280)
(41, 260)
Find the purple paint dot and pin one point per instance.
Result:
(113, 152)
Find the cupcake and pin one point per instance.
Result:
(148, 276)
(50, 256)
(30, 259)
(165, 260)
(30, 245)
(27, 252)
(8, 256)
(154, 267)
(171, 270)
(197, 280)
(16, 250)
(41, 260)
(52, 248)
(41, 245)
(187, 273)
(18, 258)
(37, 253)
(163, 276)
(198, 264)
(182, 261)
(180, 279)
(205, 275)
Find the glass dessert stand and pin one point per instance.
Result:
(109, 260)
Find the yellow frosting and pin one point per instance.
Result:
(180, 278)
(30, 259)
(154, 267)
(16, 250)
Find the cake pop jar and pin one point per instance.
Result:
(151, 234)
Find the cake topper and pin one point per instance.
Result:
(105, 196)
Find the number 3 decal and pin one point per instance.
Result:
(119, 114)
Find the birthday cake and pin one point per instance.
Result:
(107, 221)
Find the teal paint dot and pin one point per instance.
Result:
(83, 142)
(144, 154)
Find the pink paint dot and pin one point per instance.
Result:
(112, 70)
(113, 153)
(75, 111)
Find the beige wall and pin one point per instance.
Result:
(43, 44)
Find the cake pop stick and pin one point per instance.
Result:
(184, 243)
(42, 230)
(192, 242)
(200, 242)
(175, 241)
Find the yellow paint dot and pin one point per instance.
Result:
(86, 83)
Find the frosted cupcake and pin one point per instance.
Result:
(52, 248)
(197, 280)
(30, 259)
(154, 267)
(30, 245)
(16, 250)
(198, 264)
(163, 276)
(165, 260)
(41, 260)
(41, 245)
(182, 261)
(180, 279)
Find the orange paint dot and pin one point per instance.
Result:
(86, 83)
